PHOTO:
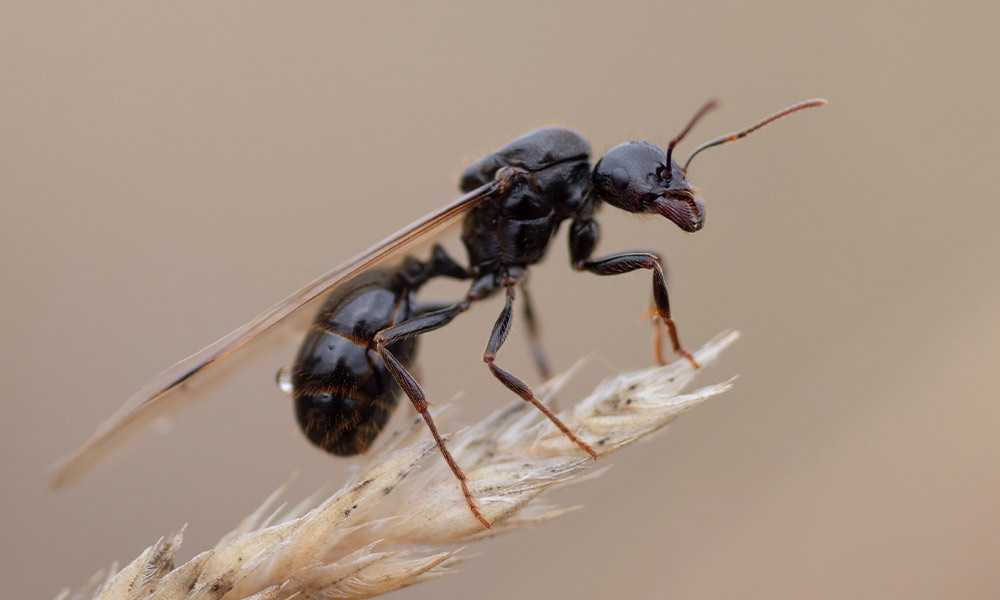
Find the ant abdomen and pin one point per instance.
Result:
(344, 394)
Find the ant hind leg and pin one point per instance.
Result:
(415, 326)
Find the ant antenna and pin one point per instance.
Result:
(698, 115)
(740, 134)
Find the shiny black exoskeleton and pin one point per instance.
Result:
(514, 230)
(364, 340)
(556, 183)
(343, 391)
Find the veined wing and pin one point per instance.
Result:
(180, 384)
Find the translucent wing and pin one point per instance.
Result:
(179, 384)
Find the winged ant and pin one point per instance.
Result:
(362, 342)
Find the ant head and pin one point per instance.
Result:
(641, 177)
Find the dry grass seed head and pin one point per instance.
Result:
(401, 520)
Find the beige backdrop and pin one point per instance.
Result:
(167, 171)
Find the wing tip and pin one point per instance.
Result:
(67, 469)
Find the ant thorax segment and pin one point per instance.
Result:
(550, 176)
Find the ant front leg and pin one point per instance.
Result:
(416, 326)
(497, 338)
(583, 238)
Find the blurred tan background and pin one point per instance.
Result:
(168, 171)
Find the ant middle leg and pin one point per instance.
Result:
(625, 262)
(415, 326)
(497, 338)
(534, 335)
(433, 306)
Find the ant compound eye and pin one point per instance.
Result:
(620, 178)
